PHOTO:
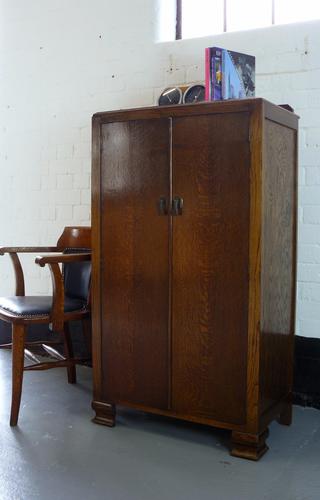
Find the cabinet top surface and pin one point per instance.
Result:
(267, 109)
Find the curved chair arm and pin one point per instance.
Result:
(57, 311)
(18, 271)
(4, 250)
(64, 258)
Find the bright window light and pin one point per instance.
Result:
(248, 14)
(291, 11)
(210, 17)
(201, 17)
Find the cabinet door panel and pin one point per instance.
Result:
(134, 268)
(211, 169)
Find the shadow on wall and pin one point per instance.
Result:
(42, 332)
(306, 387)
(35, 332)
(306, 384)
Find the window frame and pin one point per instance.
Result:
(225, 25)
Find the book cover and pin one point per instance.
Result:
(229, 74)
(213, 73)
(216, 74)
(238, 75)
(207, 75)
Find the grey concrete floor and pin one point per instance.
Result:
(57, 453)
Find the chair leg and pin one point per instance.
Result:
(18, 337)
(68, 350)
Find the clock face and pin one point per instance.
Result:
(195, 93)
(172, 95)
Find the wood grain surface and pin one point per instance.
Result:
(193, 308)
(135, 170)
(278, 273)
(211, 169)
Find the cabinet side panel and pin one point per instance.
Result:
(211, 172)
(135, 166)
(278, 261)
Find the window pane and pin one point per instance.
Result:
(290, 11)
(248, 14)
(201, 17)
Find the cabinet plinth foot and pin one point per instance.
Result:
(105, 413)
(250, 446)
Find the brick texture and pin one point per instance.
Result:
(63, 61)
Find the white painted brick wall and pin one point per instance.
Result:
(62, 61)
(288, 71)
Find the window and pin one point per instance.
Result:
(208, 17)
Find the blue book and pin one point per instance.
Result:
(238, 75)
(213, 68)
(231, 74)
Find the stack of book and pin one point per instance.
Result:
(229, 75)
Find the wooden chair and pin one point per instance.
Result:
(69, 301)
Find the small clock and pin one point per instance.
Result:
(171, 95)
(195, 93)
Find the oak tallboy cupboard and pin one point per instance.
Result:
(194, 265)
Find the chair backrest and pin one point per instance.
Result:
(77, 276)
(75, 237)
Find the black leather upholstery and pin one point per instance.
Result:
(37, 305)
(77, 276)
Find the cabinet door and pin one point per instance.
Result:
(135, 165)
(211, 169)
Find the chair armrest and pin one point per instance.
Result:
(18, 271)
(42, 260)
(4, 250)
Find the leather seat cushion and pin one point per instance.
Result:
(36, 305)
